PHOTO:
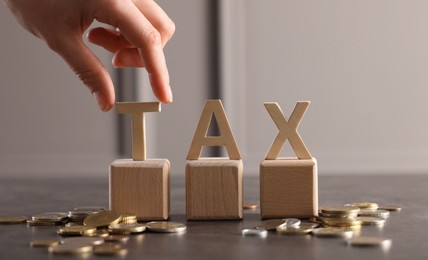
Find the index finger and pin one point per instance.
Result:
(141, 33)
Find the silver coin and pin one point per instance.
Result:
(250, 232)
(291, 222)
(380, 213)
(50, 217)
(166, 227)
(332, 232)
(83, 241)
(371, 221)
(270, 224)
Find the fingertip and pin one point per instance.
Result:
(104, 103)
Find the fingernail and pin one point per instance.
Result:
(169, 94)
(100, 101)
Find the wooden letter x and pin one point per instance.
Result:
(137, 110)
(287, 129)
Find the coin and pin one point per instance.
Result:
(50, 217)
(364, 205)
(285, 230)
(128, 218)
(98, 233)
(341, 222)
(251, 232)
(76, 231)
(110, 249)
(291, 222)
(70, 249)
(307, 224)
(43, 223)
(12, 219)
(102, 219)
(343, 210)
(371, 221)
(116, 238)
(250, 206)
(270, 224)
(380, 213)
(44, 243)
(82, 241)
(127, 228)
(369, 241)
(327, 215)
(390, 207)
(332, 232)
(166, 227)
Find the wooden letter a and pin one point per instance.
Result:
(226, 137)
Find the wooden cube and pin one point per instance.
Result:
(288, 188)
(141, 188)
(214, 189)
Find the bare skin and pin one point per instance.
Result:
(143, 29)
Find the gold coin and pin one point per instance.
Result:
(390, 207)
(44, 243)
(166, 227)
(339, 222)
(343, 210)
(98, 233)
(110, 249)
(70, 249)
(76, 230)
(102, 219)
(250, 206)
(127, 228)
(128, 218)
(327, 215)
(364, 205)
(332, 232)
(116, 238)
(369, 241)
(82, 241)
(12, 219)
(371, 221)
(284, 230)
(270, 224)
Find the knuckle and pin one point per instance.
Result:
(168, 29)
(154, 37)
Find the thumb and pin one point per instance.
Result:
(90, 71)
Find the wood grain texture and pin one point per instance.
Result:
(137, 110)
(214, 189)
(141, 188)
(226, 138)
(287, 130)
(288, 188)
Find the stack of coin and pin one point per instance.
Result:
(48, 219)
(340, 216)
(127, 218)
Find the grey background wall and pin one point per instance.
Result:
(362, 64)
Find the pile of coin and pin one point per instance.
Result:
(333, 221)
(87, 230)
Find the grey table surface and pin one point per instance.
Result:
(222, 239)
